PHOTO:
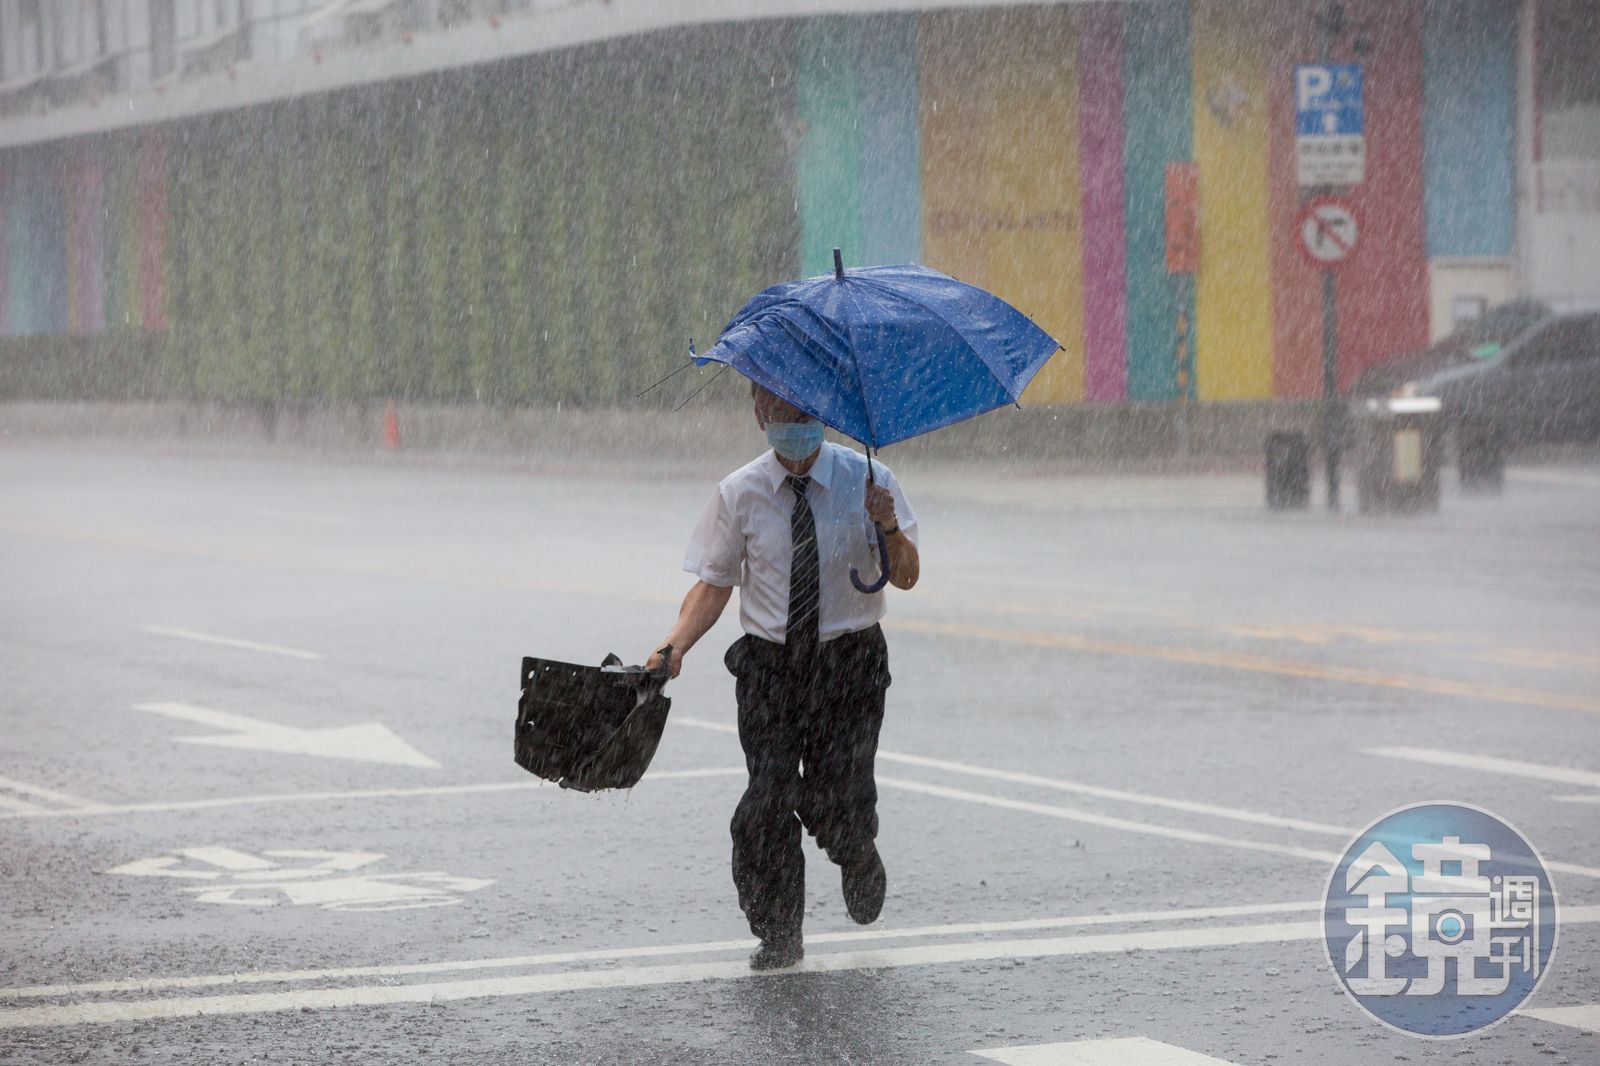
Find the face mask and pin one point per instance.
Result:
(795, 440)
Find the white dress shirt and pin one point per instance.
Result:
(743, 539)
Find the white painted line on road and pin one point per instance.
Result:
(1125, 1051)
(367, 742)
(351, 794)
(1461, 760)
(1586, 1017)
(21, 806)
(1585, 798)
(36, 792)
(107, 1011)
(1073, 814)
(1122, 795)
(1555, 477)
(1063, 785)
(154, 984)
(231, 642)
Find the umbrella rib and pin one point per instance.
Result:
(954, 329)
(866, 407)
(702, 388)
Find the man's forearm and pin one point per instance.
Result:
(702, 606)
(905, 565)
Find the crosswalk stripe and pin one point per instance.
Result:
(1124, 1051)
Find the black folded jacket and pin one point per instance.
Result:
(588, 727)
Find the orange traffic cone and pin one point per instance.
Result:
(391, 426)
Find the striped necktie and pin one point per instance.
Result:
(805, 577)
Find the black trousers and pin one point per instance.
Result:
(810, 737)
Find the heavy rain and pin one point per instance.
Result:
(1058, 534)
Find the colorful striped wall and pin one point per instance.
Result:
(1469, 70)
(508, 235)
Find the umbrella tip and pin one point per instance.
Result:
(838, 264)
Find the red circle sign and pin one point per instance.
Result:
(1326, 230)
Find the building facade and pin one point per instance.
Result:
(526, 200)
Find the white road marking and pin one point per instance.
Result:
(1127, 1051)
(155, 984)
(1073, 814)
(241, 879)
(367, 742)
(1463, 761)
(1155, 829)
(1122, 795)
(21, 806)
(106, 1011)
(1555, 477)
(1585, 798)
(367, 793)
(231, 642)
(35, 792)
(1585, 1017)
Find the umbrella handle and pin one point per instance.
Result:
(883, 563)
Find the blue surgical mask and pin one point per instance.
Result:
(795, 440)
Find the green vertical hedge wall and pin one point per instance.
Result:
(553, 228)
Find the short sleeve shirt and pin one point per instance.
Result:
(743, 538)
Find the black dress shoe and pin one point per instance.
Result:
(778, 952)
(865, 882)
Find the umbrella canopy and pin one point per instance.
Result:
(884, 353)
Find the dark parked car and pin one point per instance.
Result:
(1544, 385)
(1472, 343)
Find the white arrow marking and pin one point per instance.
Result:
(368, 742)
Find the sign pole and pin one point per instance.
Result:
(1331, 428)
(1330, 149)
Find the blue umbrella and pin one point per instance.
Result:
(883, 354)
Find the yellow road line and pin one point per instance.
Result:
(1260, 664)
(1038, 638)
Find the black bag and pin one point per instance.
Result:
(587, 727)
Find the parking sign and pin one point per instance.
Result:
(1330, 138)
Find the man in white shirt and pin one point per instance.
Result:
(812, 666)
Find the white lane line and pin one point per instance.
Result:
(351, 794)
(1122, 795)
(101, 1012)
(1126, 1051)
(1585, 798)
(1062, 785)
(1155, 829)
(1463, 761)
(154, 984)
(1073, 814)
(49, 795)
(21, 807)
(1585, 1017)
(231, 642)
(1555, 477)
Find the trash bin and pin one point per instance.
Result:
(1480, 456)
(1288, 471)
(1397, 446)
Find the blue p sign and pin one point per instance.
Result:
(1327, 100)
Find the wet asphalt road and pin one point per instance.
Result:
(257, 801)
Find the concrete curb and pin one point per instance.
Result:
(1166, 438)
